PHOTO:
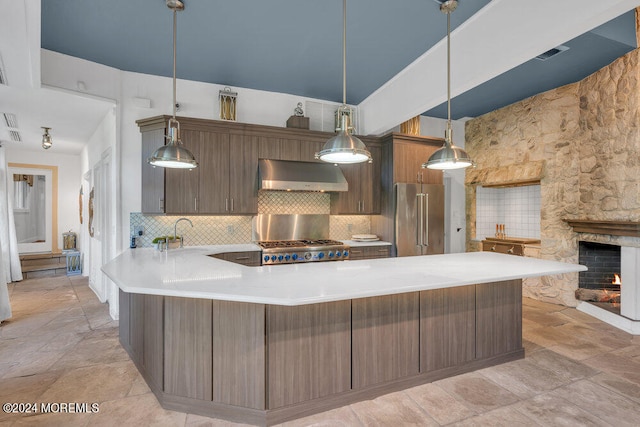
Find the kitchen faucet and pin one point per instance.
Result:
(175, 227)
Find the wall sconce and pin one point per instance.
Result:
(46, 139)
(228, 104)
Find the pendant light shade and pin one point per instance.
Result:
(449, 156)
(173, 155)
(344, 148)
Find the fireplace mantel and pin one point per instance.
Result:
(613, 228)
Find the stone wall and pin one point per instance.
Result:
(588, 136)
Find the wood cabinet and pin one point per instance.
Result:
(309, 352)
(447, 327)
(369, 252)
(409, 153)
(266, 364)
(225, 181)
(402, 159)
(385, 338)
(363, 196)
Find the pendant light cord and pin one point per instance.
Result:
(175, 14)
(449, 73)
(344, 52)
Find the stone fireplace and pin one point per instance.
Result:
(582, 142)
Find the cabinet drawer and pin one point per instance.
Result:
(250, 258)
(369, 252)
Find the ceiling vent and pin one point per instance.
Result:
(15, 136)
(11, 120)
(551, 53)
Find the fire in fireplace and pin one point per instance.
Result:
(601, 283)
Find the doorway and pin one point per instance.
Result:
(34, 195)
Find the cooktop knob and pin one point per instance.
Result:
(287, 257)
(307, 255)
(338, 254)
(345, 253)
(266, 258)
(280, 257)
(294, 257)
(330, 254)
(321, 255)
(273, 257)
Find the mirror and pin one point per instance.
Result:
(33, 191)
(29, 207)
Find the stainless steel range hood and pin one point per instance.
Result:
(289, 175)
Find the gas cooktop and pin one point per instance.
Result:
(303, 250)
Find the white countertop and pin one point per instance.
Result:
(189, 272)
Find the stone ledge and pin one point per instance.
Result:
(507, 176)
(613, 228)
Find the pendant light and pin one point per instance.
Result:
(449, 156)
(344, 148)
(46, 139)
(174, 154)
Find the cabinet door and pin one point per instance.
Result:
(182, 184)
(152, 177)
(243, 175)
(407, 163)
(213, 197)
(385, 338)
(279, 148)
(309, 352)
(348, 202)
(408, 158)
(447, 327)
(370, 183)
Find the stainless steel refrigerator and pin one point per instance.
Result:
(419, 219)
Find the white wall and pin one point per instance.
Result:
(68, 183)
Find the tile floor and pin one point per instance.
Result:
(62, 346)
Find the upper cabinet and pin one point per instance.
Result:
(225, 181)
(409, 153)
(363, 196)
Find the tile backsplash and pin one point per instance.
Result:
(222, 230)
(516, 207)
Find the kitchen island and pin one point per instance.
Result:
(267, 344)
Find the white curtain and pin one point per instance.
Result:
(8, 242)
(5, 305)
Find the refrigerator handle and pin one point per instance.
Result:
(425, 238)
(420, 219)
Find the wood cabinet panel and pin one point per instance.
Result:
(182, 185)
(153, 353)
(239, 354)
(250, 258)
(213, 173)
(385, 338)
(309, 352)
(136, 326)
(447, 327)
(364, 192)
(187, 348)
(408, 158)
(124, 321)
(152, 177)
(369, 252)
(498, 318)
(243, 174)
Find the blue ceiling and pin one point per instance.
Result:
(295, 46)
